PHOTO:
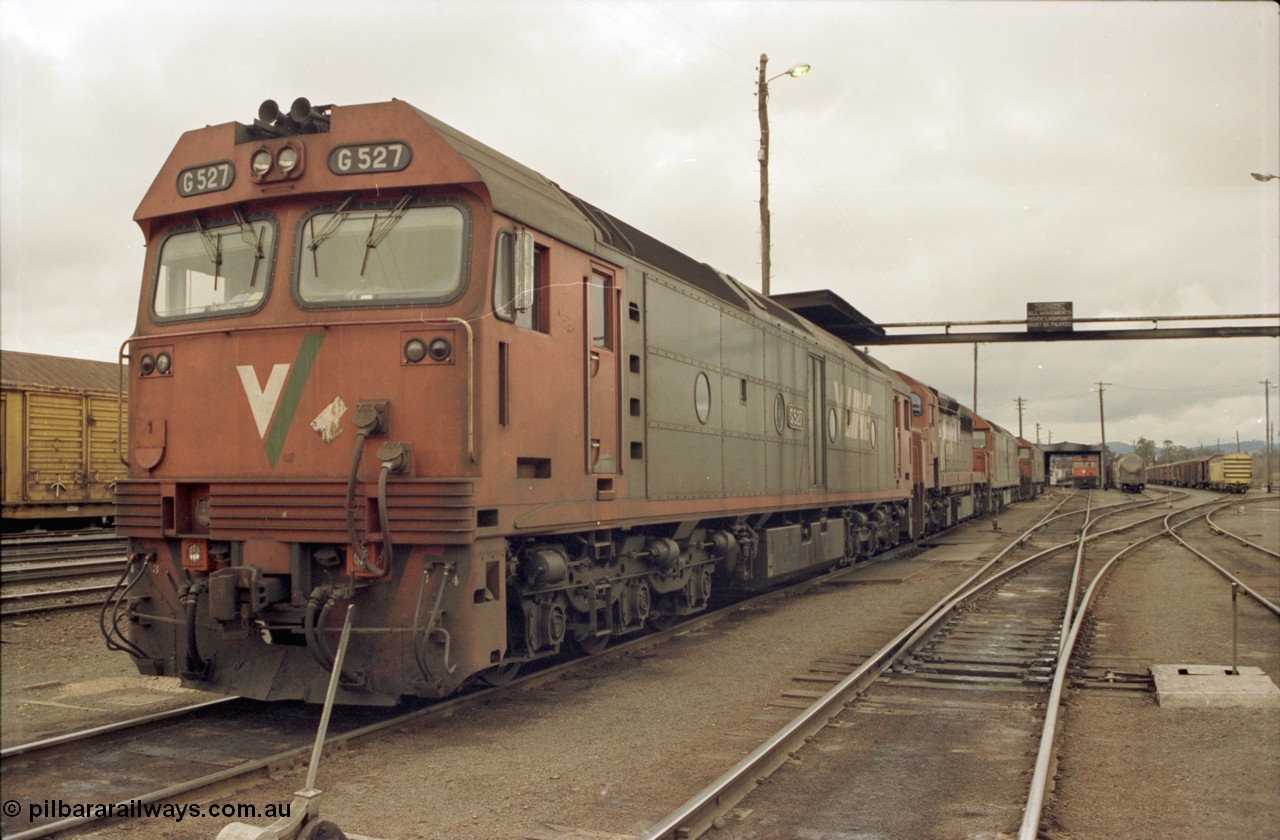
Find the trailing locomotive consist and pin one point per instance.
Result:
(1032, 469)
(1085, 472)
(1230, 472)
(1129, 473)
(379, 364)
(60, 452)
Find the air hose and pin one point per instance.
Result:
(356, 548)
(195, 667)
(319, 603)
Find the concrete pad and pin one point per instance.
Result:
(1213, 686)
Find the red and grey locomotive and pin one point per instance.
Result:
(378, 363)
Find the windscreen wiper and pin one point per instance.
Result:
(254, 240)
(330, 228)
(379, 231)
(212, 247)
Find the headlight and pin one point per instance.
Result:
(261, 162)
(415, 350)
(287, 159)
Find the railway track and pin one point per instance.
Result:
(1245, 563)
(43, 547)
(957, 667)
(213, 742)
(953, 703)
(35, 567)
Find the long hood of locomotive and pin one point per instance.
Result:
(283, 403)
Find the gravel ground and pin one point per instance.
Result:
(1130, 768)
(56, 675)
(610, 750)
(605, 753)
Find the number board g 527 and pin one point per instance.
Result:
(370, 157)
(206, 178)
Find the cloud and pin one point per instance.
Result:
(942, 161)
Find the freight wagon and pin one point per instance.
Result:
(60, 421)
(1129, 473)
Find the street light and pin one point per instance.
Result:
(762, 102)
(1266, 401)
(1266, 385)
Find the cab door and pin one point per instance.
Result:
(601, 293)
(817, 420)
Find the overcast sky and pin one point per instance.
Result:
(942, 161)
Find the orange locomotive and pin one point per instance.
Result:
(378, 363)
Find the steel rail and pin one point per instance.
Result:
(1047, 752)
(696, 815)
(442, 709)
(1222, 530)
(65, 569)
(93, 732)
(1248, 590)
(20, 597)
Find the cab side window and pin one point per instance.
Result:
(531, 312)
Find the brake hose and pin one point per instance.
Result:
(351, 496)
(313, 625)
(385, 521)
(189, 596)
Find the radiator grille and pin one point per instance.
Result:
(439, 511)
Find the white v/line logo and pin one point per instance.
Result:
(263, 400)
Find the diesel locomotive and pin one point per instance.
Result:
(377, 363)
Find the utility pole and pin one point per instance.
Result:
(975, 377)
(1037, 434)
(762, 108)
(1020, 402)
(1266, 400)
(1102, 421)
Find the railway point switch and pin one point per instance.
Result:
(1214, 686)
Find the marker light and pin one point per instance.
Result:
(440, 350)
(415, 350)
(287, 159)
(148, 364)
(163, 363)
(261, 162)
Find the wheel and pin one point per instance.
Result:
(591, 645)
(499, 675)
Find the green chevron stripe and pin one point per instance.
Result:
(292, 395)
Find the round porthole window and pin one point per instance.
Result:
(702, 398)
(871, 432)
(831, 425)
(779, 413)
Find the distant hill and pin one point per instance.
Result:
(1250, 446)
